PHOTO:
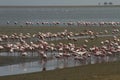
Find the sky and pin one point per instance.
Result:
(56, 2)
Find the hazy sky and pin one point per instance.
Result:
(56, 2)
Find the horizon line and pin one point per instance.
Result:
(35, 6)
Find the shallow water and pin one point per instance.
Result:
(40, 65)
(61, 14)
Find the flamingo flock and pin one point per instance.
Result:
(69, 23)
(21, 45)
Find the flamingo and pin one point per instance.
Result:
(24, 54)
(8, 22)
(15, 22)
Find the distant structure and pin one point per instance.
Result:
(105, 3)
(110, 3)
